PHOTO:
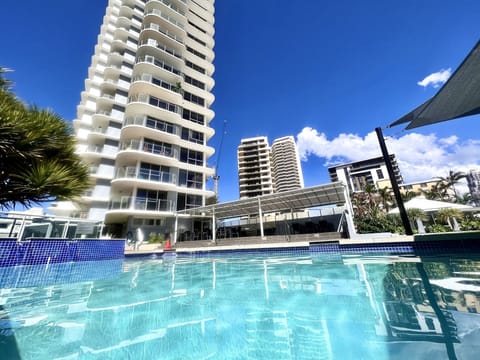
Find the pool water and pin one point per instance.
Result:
(306, 306)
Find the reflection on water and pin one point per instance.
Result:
(308, 307)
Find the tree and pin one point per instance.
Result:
(408, 195)
(436, 192)
(37, 154)
(445, 216)
(451, 180)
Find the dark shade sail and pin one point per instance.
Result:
(458, 97)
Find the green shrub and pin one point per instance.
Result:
(155, 238)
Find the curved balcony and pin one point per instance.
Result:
(168, 4)
(140, 125)
(159, 64)
(168, 35)
(142, 204)
(166, 17)
(174, 54)
(132, 173)
(144, 103)
(135, 149)
(147, 84)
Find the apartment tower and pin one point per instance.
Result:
(143, 122)
(287, 170)
(254, 167)
(264, 170)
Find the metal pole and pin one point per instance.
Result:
(393, 181)
(214, 228)
(260, 216)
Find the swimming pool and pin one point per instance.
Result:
(303, 306)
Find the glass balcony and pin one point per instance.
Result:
(166, 17)
(146, 174)
(142, 204)
(161, 64)
(165, 32)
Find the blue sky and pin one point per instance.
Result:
(327, 73)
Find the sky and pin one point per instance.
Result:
(326, 72)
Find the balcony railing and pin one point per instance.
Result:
(151, 100)
(162, 47)
(161, 64)
(166, 17)
(146, 174)
(165, 32)
(171, 6)
(142, 204)
(149, 78)
(156, 149)
(155, 124)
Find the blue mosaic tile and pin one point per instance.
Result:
(53, 251)
(61, 273)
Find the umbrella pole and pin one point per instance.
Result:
(393, 181)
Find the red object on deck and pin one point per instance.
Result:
(167, 245)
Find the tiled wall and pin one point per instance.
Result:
(51, 251)
(56, 274)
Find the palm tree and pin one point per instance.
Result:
(386, 198)
(408, 195)
(37, 155)
(444, 216)
(436, 192)
(5, 84)
(451, 180)
(416, 214)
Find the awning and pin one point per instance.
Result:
(321, 195)
(458, 97)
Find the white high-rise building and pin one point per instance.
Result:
(143, 122)
(264, 170)
(254, 167)
(287, 170)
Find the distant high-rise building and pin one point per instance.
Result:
(287, 170)
(264, 170)
(473, 181)
(143, 122)
(356, 175)
(254, 167)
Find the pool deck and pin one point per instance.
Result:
(208, 245)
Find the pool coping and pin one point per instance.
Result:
(401, 244)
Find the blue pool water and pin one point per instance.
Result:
(306, 306)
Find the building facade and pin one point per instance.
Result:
(143, 122)
(287, 170)
(356, 175)
(254, 167)
(264, 170)
(473, 181)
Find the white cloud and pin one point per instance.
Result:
(420, 157)
(436, 79)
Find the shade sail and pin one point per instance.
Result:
(458, 97)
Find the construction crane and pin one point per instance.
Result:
(215, 176)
